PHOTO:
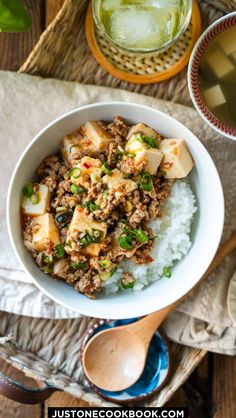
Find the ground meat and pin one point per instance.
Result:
(65, 200)
(51, 166)
(128, 166)
(112, 154)
(139, 215)
(142, 255)
(127, 278)
(118, 129)
(94, 191)
(88, 284)
(63, 234)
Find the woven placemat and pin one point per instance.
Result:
(143, 68)
(48, 349)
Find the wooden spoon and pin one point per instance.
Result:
(114, 359)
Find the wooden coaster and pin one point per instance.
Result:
(143, 69)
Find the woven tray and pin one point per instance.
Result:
(47, 349)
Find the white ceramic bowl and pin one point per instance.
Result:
(219, 26)
(206, 231)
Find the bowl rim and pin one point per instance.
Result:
(140, 310)
(217, 27)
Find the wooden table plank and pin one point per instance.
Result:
(224, 387)
(15, 47)
(62, 399)
(52, 7)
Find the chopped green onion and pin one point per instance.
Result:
(68, 244)
(72, 146)
(60, 209)
(128, 206)
(75, 173)
(34, 198)
(74, 188)
(59, 250)
(138, 234)
(167, 272)
(105, 275)
(131, 155)
(91, 205)
(97, 235)
(28, 190)
(48, 269)
(46, 259)
(146, 181)
(88, 238)
(126, 284)
(120, 150)
(79, 266)
(141, 236)
(105, 194)
(161, 173)
(105, 264)
(95, 178)
(150, 141)
(105, 169)
(125, 242)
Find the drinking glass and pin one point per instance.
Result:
(142, 26)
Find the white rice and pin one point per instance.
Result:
(172, 240)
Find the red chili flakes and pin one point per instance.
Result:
(149, 259)
(86, 165)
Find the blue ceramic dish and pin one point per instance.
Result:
(155, 373)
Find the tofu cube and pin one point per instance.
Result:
(177, 161)
(219, 63)
(142, 129)
(90, 171)
(96, 134)
(75, 145)
(227, 41)
(234, 56)
(214, 96)
(151, 156)
(118, 184)
(45, 232)
(82, 223)
(40, 208)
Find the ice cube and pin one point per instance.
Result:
(134, 27)
(110, 5)
(214, 96)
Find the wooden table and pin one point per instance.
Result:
(210, 390)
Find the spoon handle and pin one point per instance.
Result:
(146, 327)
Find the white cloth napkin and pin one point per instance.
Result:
(27, 104)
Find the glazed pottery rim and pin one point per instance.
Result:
(217, 27)
(136, 399)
